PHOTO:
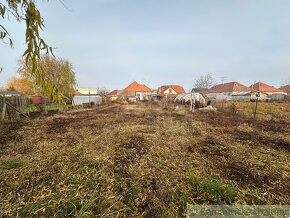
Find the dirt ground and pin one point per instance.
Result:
(140, 160)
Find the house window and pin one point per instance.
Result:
(170, 91)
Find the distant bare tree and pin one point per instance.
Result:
(285, 82)
(204, 81)
(103, 91)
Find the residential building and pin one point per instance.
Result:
(273, 93)
(270, 90)
(285, 89)
(170, 90)
(225, 91)
(141, 91)
(113, 95)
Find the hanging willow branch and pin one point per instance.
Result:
(25, 11)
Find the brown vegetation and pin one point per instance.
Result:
(140, 160)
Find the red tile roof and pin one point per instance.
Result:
(78, 93)
(228, 87)
(285, 88)
(137, 87)
(115, 92)
(262, 87)
(178, 89)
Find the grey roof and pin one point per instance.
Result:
(242, 93)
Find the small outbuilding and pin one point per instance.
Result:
(86, 96)
(81, 100)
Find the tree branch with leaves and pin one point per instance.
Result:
(25, 11)
(54, 78)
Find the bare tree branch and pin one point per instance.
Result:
(204, 81)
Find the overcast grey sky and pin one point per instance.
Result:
(114, 42)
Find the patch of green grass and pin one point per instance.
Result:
(179, 112)
(213, 187)
(30, 108)
(33, 107)
(57, 106)
(15, 163)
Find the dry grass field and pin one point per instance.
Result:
(143, 160)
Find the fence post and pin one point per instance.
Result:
(17, 102)
(257, 95)
(4, 108)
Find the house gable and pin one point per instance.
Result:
(137, 87)
(262, 87)
(175, 89)
(170, 91)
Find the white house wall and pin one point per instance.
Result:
(143, 95)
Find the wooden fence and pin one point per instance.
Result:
(11, 106)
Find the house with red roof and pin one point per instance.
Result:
(226, 91)
(113, 95)
(141, 91)
(285, 89)
(262, 87)
(170, 90)
(272, 92)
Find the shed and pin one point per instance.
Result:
(80, 100)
